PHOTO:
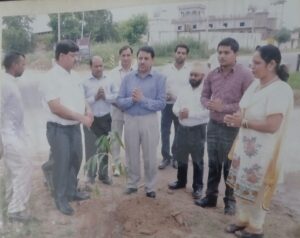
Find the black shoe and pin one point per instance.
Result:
(80, 196)
(151, 194)
(207, 202)
(130, 190)
(164, 163)
(64, 207)
(245, 234)
(106, 180)
(229, 208)
(174, 164)
(197, 194)
(176, 185)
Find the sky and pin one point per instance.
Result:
(291, 16)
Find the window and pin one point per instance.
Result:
(179, 28)
(225, 24)
(242, 23)
(194, 26)
(211, 25)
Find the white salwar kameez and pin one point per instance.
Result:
(16, 151)
(256, 160)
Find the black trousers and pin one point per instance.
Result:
(101, 126)
(167, 118)
(190, 141)
(66, 155)
(220, 138)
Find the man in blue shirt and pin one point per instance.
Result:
(142, 94)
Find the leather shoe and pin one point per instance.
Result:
(197, 194)
(176, 185)
(130, 190)
(105, 180)
(207, 202)
(174, 164)
(64, 207)
(229, 208)
(164, 163)
(151, 194)
(80, 196)
(232, 228)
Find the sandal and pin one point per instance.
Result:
(232, 228)
(245, 234)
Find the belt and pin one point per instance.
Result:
(218, 122)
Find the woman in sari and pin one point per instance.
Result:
(265, 110)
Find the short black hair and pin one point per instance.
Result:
(147, 49)
(181, 45)
(10, 58)
(64, 47)
(232, 43)
(125, 47)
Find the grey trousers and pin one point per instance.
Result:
(141, 132)
(66, 152)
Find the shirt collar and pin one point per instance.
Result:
(232, 70)
(120, 68)
(61, 70)
(149, 73)
(93, 78)
(183, 67)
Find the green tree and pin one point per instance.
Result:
(99, 24)
(133, 29)
(283, 35)
(70, 26)
(17, 34)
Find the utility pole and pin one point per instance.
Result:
(58, 27)
(82, 24)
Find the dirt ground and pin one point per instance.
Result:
(110, 214)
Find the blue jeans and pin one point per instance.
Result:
(167, 117)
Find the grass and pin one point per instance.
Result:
(294, 80)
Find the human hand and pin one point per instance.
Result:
(215, 105)
(137, 95)
(183, 113)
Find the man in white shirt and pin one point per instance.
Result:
(16, 155)
(191, 132)
(117, 115)
(64, 96)
(99, 93)
(177, 75)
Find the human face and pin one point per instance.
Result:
(67, 61)
(196, 77)
(97, 67)
(20, 67)
(259, 66)
(126, 58)
(180, 55)
(145, 62)
(226, 56)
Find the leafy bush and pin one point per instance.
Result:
(197, 49)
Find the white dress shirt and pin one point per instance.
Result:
(116, 76)
(190, 98)
(176, 79)
(91, 86)
(65, 86)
